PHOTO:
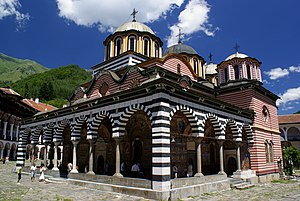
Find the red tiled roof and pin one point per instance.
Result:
(42, 107)
(9, 91)
(289, 119)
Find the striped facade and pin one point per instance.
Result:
(131, 109)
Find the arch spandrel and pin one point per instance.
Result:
(76, 130)
(197, 130)
(95, 123)
(49, 133)
(235, 129)
(119, 126)
(249, 133)
(59, 130)
(36, 134)
(219, 132)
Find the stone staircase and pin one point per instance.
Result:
(240, 184)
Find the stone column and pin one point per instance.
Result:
(17, 132)
(32, 153)
(45, 154)
(4, 130)
(8, 152)
(91, 159)
(199, 164)
(61, 153)
(55, 156)
(221, 157)
(11, 131)
(1, 152)
(118, 158)
(238, 156)
(75, 143)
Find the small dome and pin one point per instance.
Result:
(180, 48)
(134, 26)
(210, 69)
(236, 55)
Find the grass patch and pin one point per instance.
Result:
(283, 181)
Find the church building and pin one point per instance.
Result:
(161, 109)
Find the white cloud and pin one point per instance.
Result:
(276, 73)
(11, 7)
(192, 19)
(109, 14)
(295, 68)
(290, 95)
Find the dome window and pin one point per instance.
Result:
(131, 43)
(248, 71)
(156, 50)
(225, 74)
(108, 51)
(146, 47)
(178, 69)
(118, 46)
(236, 72)
(195, 66)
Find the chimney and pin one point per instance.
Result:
(36, 100)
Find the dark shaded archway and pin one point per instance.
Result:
(209, 150)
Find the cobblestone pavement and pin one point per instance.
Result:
(27, 190)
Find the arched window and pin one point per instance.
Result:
(236, 72)
(156, 49)
(269, 151)
(248, 71)
(108, 51)
(265, 114)
(131, 43)
(185, 58)
(178, 69)
(195, 65)
(226, 74)
(118, 46)
(146, 46)
(103, 89)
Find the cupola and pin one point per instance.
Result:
(135, 37)
(239, 66)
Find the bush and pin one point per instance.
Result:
(291, 156)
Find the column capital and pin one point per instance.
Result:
(56, 143)
(118, 139)
(75, 142)
(198, 140)
(220, 142)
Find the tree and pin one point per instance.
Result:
(291, 156)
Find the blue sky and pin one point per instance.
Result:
(61, 32)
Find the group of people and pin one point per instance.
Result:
(189, 171)
(33, 169)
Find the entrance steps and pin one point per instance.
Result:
(240, 184)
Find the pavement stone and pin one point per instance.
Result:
(27, 190)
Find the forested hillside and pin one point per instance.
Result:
(53, 86)
(12, 69)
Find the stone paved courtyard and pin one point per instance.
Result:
(27, 190)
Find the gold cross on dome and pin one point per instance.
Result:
(236, 47)
(134, 12)
(210, 57)
(179, 35)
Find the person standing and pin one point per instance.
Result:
(32, 170)
(19, 171)
(42, 170)
(135, 170)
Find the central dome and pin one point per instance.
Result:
(134, 26)
(236, 55)
(180, 48)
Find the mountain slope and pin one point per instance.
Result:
(53, 86)
(12, 69)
